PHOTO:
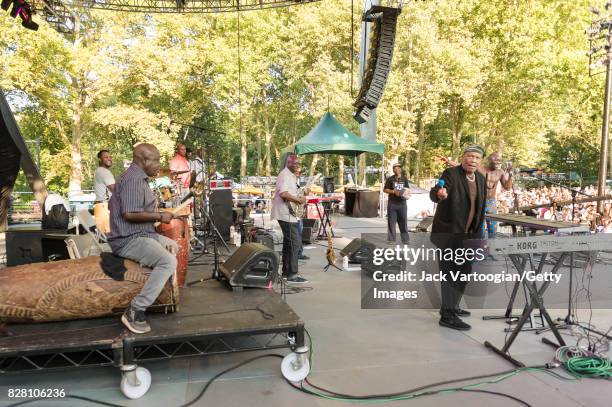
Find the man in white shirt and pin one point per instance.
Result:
(104, 181)
(286, 193)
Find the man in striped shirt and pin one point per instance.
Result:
(133, 212)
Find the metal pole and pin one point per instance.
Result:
(603, 153)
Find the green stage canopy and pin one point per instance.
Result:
(331, 137)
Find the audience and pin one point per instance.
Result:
(585, 212)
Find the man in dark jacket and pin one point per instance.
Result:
(460, 194)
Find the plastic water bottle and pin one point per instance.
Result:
(345, 262)
(237, 238)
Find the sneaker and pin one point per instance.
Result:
(297, 280)
(303, 257)
(462, 312)
(135, 321)
(454, 323)
(459, 312)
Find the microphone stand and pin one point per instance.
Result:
(205, 210)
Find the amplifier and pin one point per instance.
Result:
(25, 246)
(310, 230)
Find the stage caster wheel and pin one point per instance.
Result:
(295, 367)
(135, 382)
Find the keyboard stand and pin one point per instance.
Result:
(508, 314)
(535, 301)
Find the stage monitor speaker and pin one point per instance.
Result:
(310, 230)
(357, 250)
(425, 224)
(378, 63)
(269, 238)
(328, 185)
(222, 213)
(252, 265)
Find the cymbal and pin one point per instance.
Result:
(165, 172)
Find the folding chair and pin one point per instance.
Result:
(85, 246)
(89, 224)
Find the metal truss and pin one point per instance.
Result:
(128, 351)
(59, 13)
(172, 6)
(209, 346)
(58, 360)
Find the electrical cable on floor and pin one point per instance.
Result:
(579, 367)
(412, 393)
(189, 403)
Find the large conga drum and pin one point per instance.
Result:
(178, 230)
(74, 289)
(102, 215)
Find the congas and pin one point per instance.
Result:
(102, 215)
(178, 230)
(74, 289)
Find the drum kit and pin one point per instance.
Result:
(168, 188)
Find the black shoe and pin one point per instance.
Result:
(462, 312)
(454, 323)
(303, 257)
(135, 321)
(297, 280)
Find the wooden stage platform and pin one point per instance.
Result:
(212, 319)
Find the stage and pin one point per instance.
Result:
(355, 351)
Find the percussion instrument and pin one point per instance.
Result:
(102, 216)
(74, 289)
(165, 172)
(178, 230)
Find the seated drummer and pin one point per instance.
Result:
(133, 212)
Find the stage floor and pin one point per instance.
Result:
(355, 351)
(207, 310)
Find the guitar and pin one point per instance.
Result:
(330, 253)
(296, 209)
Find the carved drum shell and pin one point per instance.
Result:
(74, 289)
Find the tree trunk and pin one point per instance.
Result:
(313, 165)
(326, 162)
(407, 165)
(258, 167)
(457, 115)
(76, 167)
(277, 156)
(362, 170)
(76, 170)
(243, 155)
(421, 138)
(268, 147)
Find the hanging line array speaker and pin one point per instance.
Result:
(380, 56)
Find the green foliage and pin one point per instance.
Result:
(509, 75)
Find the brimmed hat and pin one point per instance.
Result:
(474, 148)
(397, 165)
